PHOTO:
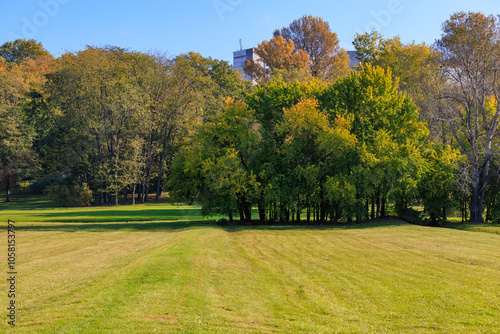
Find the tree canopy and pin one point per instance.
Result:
(413, 126)
(21, 49)
(314, 36)
(470, 53)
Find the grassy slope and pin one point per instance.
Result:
(187, 275)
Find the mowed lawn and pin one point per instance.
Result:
(91, 271)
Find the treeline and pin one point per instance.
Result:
(104, 120)
(319, 152)
(413, 124)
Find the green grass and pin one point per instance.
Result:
(486, 228)
(169, 271)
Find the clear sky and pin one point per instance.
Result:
(214, 27)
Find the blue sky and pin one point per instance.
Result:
(214, 27)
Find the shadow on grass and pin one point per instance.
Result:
(131, 226)
(126, 215)
(26, 203)
(190, 224)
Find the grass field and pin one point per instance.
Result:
(161, 268)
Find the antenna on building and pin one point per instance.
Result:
(241, 44)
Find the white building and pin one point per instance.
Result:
(241, 56)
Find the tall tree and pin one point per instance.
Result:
(313, 35)
(194, 90)
(386, 125)
(278, 55)
(17, 159)
(368, 46)
(216, 166)
(21, 49)
(470, 53)
(415, 65)
(102, 118)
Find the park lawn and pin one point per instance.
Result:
(89, 271)
(486, 228)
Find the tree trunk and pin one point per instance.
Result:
(158, 185)
(141, 192)
(382, 212)
(242, 216)
(262, 212)
(101, 194)
(133, 194)
(464, 211)
(125, 195)
(101, 185)
(476, 206)
(478, 192)
(489, 207)
(248, 212)
(322, 209)
(7, 198)
(378, 207)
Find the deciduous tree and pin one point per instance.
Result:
(21, 49)
(470, 54)
(313, 35)
(277, 56)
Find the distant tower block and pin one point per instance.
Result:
(241, 56)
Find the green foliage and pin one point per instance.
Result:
(217, 164)
(103, 115)
(268, 101)
(492, 200)
(74, 196)
(416, 66)
(327, 149)
(371, 100)
(368, 46)
(472, 92)
(411, 216)
(21, 49)
(17, 160)
(301, 142)
(437, 183)
(386, 125)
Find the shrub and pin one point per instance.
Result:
(41, 186)
(24, 188)
(411, 216)
(77, 195)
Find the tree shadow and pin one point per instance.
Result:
(129, 226)
(104, 215)
(185, 224)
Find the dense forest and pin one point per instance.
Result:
(310, 139)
